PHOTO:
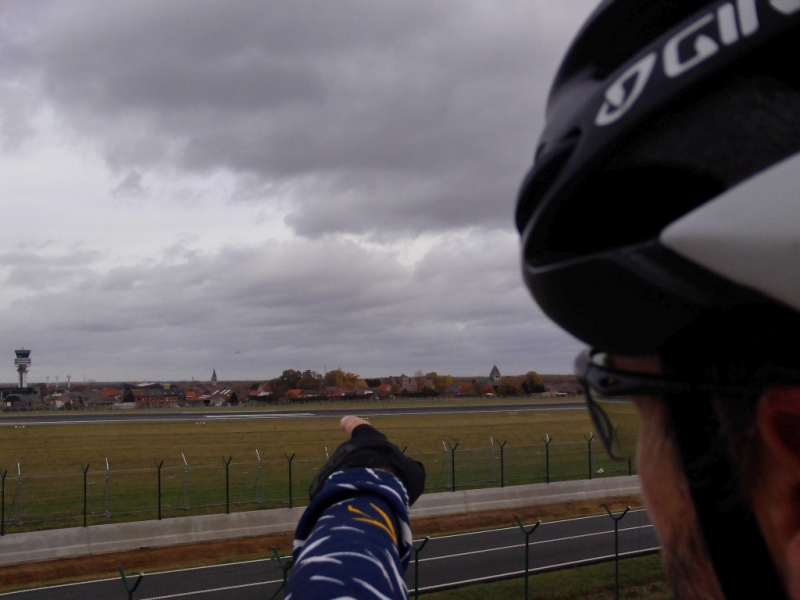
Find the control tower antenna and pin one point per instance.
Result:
(22, 362)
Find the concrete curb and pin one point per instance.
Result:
(100, 539)
(523, 495)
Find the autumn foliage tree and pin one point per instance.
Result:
(509, 387)
(532, 383)
(287, 380)
(334, 378)
(340, 378)
(309, 380)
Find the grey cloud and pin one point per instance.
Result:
(382, 120)
(18, 108)
(131, 185)
(35, 272)
(299, 304)
(376, 111)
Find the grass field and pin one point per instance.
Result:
(641, 578)
(44, 464)
(55, 448)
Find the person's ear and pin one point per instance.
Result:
(778, 418)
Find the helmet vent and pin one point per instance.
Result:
(618, 208)
(549, 163)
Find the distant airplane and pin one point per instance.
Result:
(238, 352)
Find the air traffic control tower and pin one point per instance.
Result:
(22, 362)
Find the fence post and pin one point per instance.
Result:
(85, 470)
(290, 459)
(257, 484)
(106, 494)
(527, 533)
(158, 466)
(285, 566)
(616, 543)
(502, 463)
(17, 503)
(185, 485)
(129, 589)
(227, 485)
(417, 550)
(3, 504)
(547, 439)
(453, 462)
(589, 442)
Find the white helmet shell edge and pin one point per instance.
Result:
(750, 234)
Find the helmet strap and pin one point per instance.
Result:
(739, 555)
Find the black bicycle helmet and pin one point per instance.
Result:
(663, 189)
(662, 214)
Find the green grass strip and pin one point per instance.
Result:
(641, 578)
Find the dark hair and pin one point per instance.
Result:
(746, 346)
(737, 346)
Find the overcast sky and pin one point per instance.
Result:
(256, 186)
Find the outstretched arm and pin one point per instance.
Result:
(354, 539)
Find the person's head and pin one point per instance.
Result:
(660, 224)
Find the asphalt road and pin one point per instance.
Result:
(76, 417)
(443, 562)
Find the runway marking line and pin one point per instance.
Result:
(535, 570)
(535, 543)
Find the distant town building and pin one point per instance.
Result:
(17, 398)
(154, 395)
(260, 393)
(225, 397)
(494, 375)
(214, 379)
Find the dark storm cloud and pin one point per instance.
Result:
(418, 113)
(363, 124)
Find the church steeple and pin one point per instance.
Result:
(214, 378)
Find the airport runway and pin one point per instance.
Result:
(134, 416)
(444, 561)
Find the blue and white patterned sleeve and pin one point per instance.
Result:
(354, 540)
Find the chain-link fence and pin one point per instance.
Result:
(92, 496)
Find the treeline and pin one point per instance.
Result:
(341, 382)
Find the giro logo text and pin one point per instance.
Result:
(705, 37)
